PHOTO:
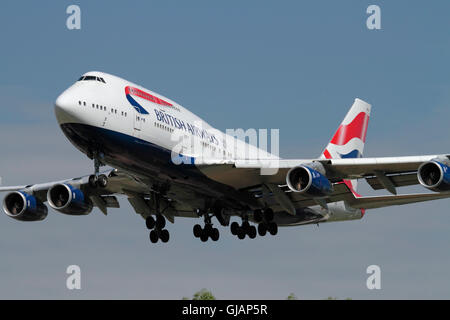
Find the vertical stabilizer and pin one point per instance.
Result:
(349, 139)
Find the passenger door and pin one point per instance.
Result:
(137, 124)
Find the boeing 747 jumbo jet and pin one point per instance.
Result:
(169, 163)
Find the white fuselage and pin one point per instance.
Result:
(107, 102)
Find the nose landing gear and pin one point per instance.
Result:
(98, 180)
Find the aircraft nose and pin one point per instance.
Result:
(64, 108)
(62, 102)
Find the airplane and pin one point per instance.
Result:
(170, 163)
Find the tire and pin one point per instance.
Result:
(245, 226)
(160, 222)
(150, 222)
(153, 236)
(234, 228)
(268, 215)
(273, 228)
(262, 229)
(164, 235)
(208, 229)
(197, 230)
(215, 234)
(257, 215)
(93, 181)
(241, 233)
(252, 232)
(102, 181)
(204, 236)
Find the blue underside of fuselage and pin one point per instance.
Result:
(134, 154)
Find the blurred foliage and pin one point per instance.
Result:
(292, 296)
(203, 294)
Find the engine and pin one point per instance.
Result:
(434, 175)
(303, 179)
(69, 200)
(24, 207)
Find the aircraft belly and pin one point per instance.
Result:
(143, 158)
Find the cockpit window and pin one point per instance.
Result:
(94, 78)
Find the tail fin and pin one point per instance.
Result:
(349, 139)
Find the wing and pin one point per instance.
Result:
(118, 183)
(386, 201)
(380, 173)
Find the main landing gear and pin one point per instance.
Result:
(157, 225)
(208, 231)
(244, 229)
(157, 228)
(265, 224)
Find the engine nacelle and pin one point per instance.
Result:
(69, 200)
(24, 207)
(303, 179)
(434, 175)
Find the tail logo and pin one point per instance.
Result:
(355, 129)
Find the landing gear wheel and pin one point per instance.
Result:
(268, 215)
(153, 236)
(102, 181)
(262, 229)
(241, 233)
(234, 228)
(214, 234)
(164, 235)
(273, 228)
(93, 179)
(252, 232)
(197, 230)
(160, 222)
(204, 236)
(208, 229)
(150, 222)
(245, 226)
(257, 215)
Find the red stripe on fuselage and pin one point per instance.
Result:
(147, 96)
(355, 129)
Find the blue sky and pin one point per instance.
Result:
(292, 65)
